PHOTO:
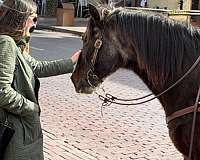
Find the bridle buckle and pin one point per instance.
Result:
(98, 44)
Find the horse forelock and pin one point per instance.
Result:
(165, 48)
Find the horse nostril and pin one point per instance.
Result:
(81, 85)
(79, 91)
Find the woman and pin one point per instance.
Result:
(18, 80)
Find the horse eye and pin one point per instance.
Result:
(97, 35)
(95, 31)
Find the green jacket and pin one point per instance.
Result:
(18, 97)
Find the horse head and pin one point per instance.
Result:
(101, 53)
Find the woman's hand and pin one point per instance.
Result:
(75, 57)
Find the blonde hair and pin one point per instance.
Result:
(14, 14)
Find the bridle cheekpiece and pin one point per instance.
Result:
(97, 46)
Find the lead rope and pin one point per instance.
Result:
(193, 124)
(112, 99)
(105, 103)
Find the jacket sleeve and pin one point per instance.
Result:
(10, 100)
(49, 68)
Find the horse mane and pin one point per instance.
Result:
(165, 48)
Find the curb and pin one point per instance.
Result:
(55, 29)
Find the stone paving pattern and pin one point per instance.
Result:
(74, 128)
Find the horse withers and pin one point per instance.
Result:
(160, 50)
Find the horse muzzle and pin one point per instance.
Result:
(81, 86)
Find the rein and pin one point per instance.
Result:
(112, 99)
(196, 109)
(108, 99)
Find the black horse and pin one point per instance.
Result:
(158, 49)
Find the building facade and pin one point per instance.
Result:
(170, 4)
(51, 5)
(196, 4)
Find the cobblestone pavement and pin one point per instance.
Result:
(74, 128)
(77, 130)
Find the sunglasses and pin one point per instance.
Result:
(35, 19)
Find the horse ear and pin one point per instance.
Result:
(94, 13)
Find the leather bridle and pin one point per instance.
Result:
(97, 45)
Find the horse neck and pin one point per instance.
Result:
(137, 59)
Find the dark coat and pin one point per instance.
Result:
(18, 97)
